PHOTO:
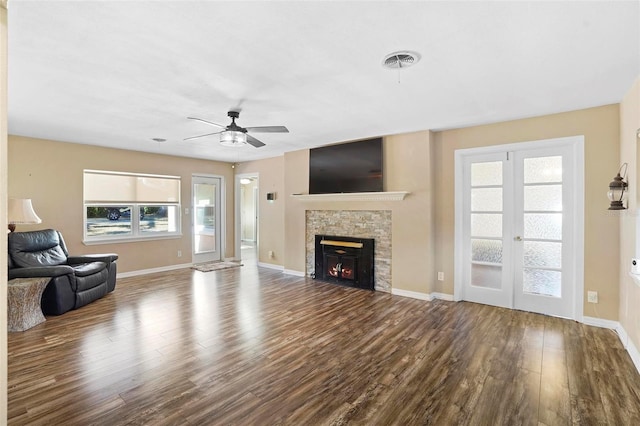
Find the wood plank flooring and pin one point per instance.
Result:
(252, 346)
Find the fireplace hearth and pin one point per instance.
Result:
(345, 260)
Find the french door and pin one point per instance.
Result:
(516, 236)
(206, 219)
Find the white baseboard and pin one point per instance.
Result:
(622, 335)
(153, 270)
(271, 266)
(629, 346)
(411, 294)
(422, 296)
(443, 296)
(602, 323)
(281, 268)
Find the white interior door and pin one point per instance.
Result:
(542, 245)
(488, 212)
(206, 219)
(517, 235)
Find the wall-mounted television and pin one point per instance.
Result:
(346, 167)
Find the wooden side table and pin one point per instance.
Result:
(23, 296)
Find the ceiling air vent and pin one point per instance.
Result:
(403, 59)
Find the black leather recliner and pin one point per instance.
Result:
(75, 280)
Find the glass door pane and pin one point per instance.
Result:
(486, 219)
(542, 243)
(206, 218)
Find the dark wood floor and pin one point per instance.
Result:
(253, 346)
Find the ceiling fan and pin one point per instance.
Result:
(234, 135)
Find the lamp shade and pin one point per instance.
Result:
(21, 211)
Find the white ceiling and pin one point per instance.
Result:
(119, 73)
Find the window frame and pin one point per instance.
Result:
(135, 233)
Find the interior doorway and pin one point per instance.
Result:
(518, 238)
(247, 210)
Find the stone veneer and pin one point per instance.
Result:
(374, 224)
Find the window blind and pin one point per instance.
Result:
(123, 188)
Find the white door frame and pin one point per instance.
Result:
(256, 201)
(577, 145)
(238, 214)
(222, 219)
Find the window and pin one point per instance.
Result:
(124, 206)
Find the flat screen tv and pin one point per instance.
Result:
(346, 167)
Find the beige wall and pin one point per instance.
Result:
(407, 160)
(270, 214)
(423, 224)
(600, 127)
(296, 181)
(629, 290)
(50, 173)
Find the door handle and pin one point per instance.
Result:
(517, 238)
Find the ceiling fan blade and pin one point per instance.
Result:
(253, 141)
(202, 136)
(208, 122)
(268, 129)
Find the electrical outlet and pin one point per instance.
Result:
(179, 253)
(440, 276)
(271, 254)
(592, 296)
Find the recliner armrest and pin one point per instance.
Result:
(86, 258)
(40, 271)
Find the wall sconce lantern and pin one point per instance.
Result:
(618, 190)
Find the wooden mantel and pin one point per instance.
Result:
(353, 196)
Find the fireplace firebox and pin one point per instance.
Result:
(345, 260)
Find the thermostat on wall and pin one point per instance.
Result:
(635, 266)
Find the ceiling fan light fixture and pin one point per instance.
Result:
(234, 135)
(233, 138)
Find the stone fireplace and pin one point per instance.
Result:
(357, 224)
